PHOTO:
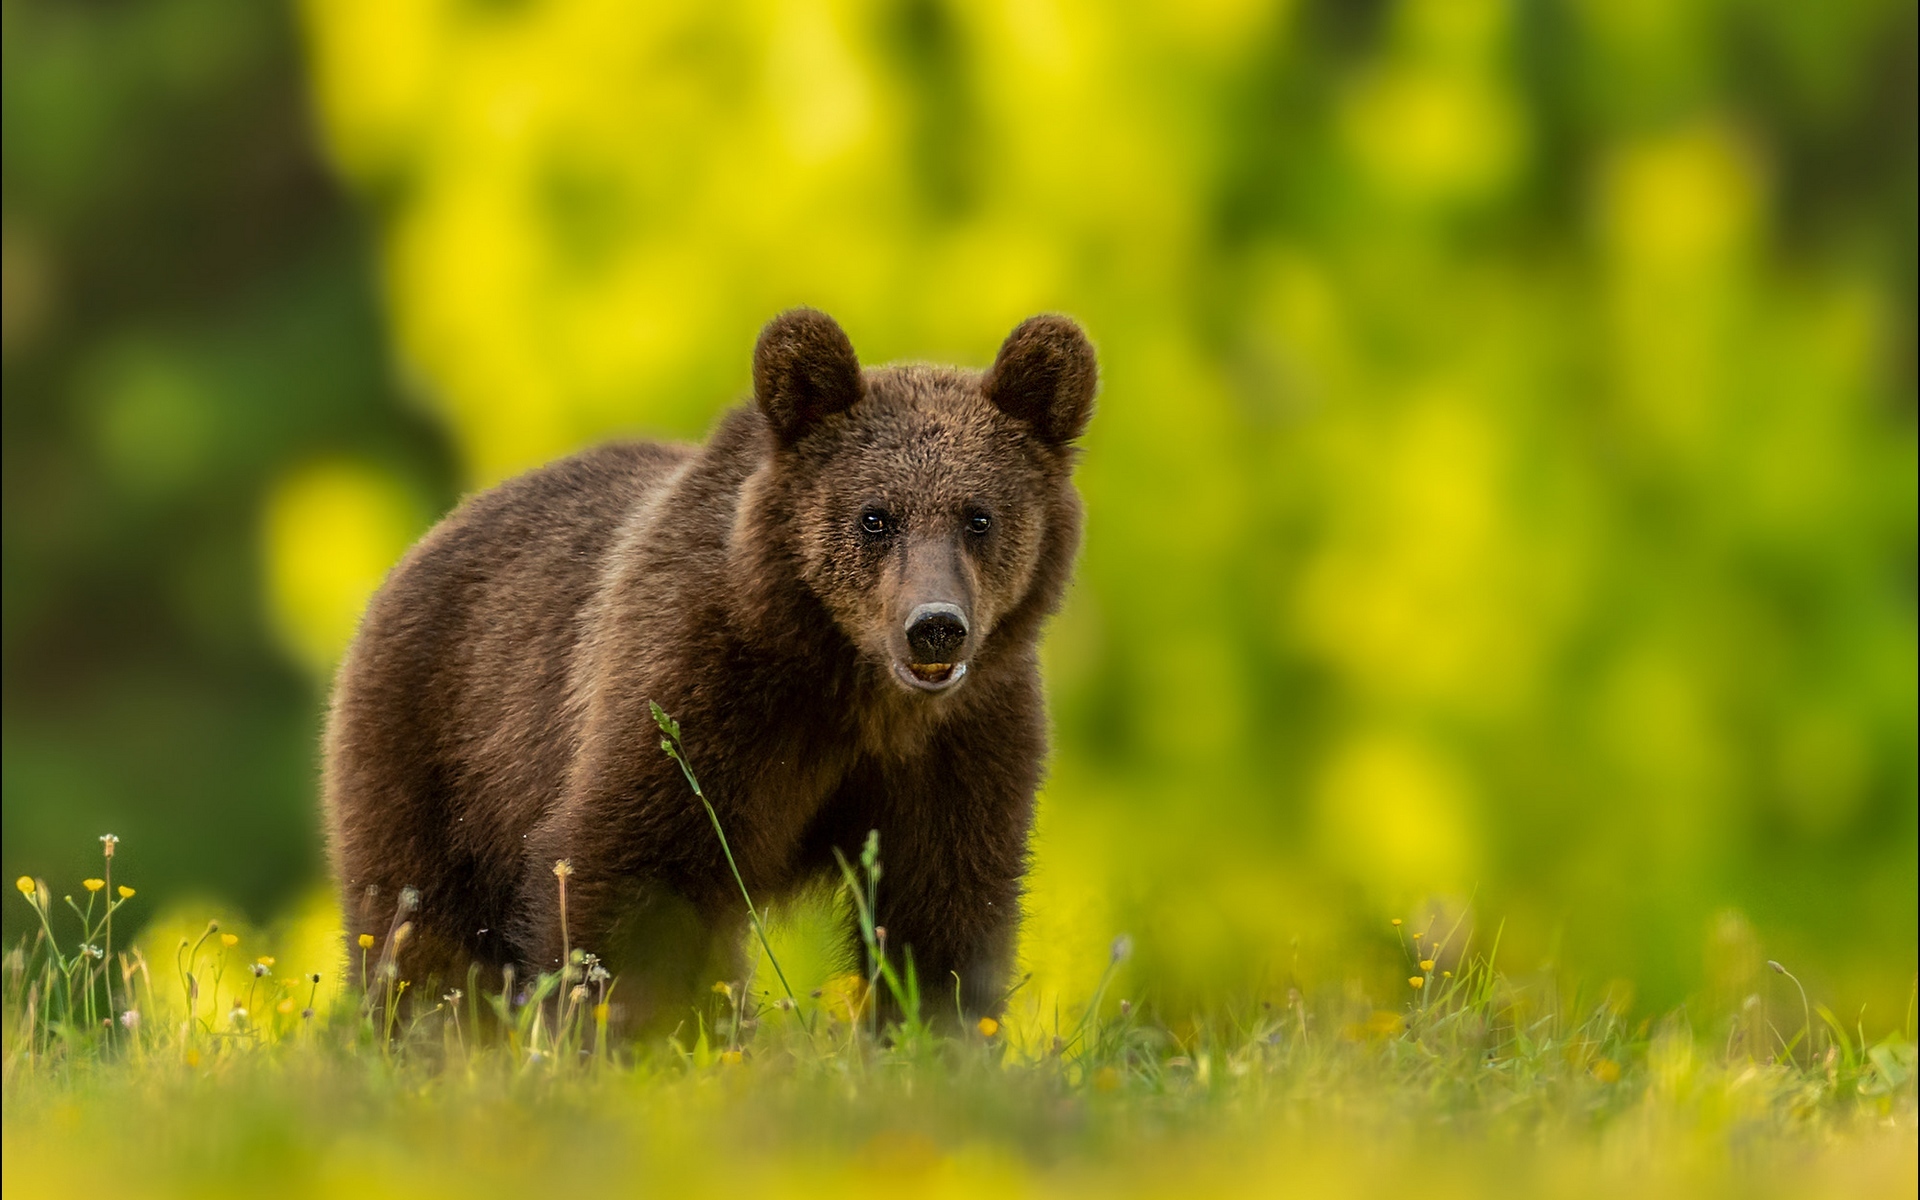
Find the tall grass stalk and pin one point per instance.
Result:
(670, 743)
(903, 984)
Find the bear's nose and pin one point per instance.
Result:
(935, 633)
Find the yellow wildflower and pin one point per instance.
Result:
(731, 1057)
(1417, 982)
(126, 893)
(93, 885)
(366, 941)
(25, 884)
(1396, 922)
(229, 939)
(988, 1027)
(265, 960)
(723, 988)
(1607, 1071)
(285, 1006)
(1426, 964)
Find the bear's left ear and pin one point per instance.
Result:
(1045, 374)
(804, 369)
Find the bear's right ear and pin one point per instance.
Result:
(804, 369)
(1045, 375)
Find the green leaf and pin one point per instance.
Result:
(1893, 1060)
(703, 1056)
(667, 724)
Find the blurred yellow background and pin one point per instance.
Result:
(1502, 492)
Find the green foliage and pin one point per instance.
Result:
(1503, 483)
(191, 319)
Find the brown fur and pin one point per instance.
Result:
(492, 715)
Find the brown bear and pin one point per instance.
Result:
(838, 596)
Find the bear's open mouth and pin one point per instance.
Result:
(930, 677)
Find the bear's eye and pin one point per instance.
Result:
(875, 522)
(979, 522)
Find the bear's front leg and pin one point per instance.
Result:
(953, 832)
(569, 893)
(647, 888)
(665, 937)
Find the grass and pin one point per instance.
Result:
(228, 1078)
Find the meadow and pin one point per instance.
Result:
(229, 1065)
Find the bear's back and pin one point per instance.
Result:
(449, 732)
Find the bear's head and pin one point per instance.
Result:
(928, 508)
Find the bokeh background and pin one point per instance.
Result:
(1502, 498)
